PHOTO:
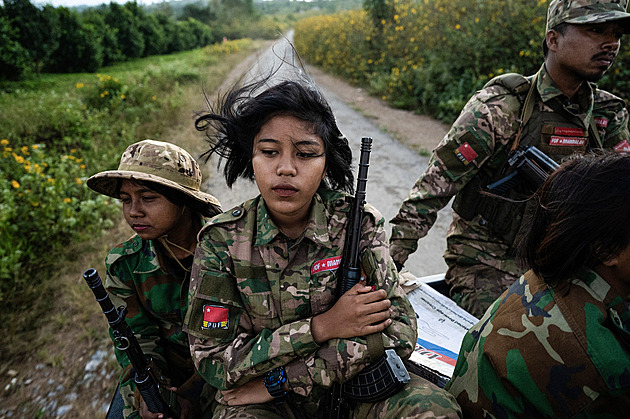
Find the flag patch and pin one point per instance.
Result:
(326, 265)
(215, 317)
(465, 153)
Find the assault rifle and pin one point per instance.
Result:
(534, 166)
(126, 341)
(385, 376)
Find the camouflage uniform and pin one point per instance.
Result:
(148, 283)
(481, 261)
(543, 351)
(263, 290)
(138, 278)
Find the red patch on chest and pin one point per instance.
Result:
(326, 265)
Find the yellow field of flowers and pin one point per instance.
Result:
(431, 55)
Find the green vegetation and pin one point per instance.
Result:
(55, 133)
(37, 39)
(431, 55)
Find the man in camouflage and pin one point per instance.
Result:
(144, 274)
(254, 293)
(559, 110)
(556, 344)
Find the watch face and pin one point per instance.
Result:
(273, 381)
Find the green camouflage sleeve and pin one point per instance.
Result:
(611, 118)
(339, 359)
(547, 352)
(231, 355)
(484, 123)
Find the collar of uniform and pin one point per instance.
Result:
(548, 90)
(149, 261)
(316, 229)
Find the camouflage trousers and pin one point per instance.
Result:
(419, 399)
(475, 287)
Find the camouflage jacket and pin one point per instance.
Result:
(156, 307)
(478, 141)
(542, 351)
(254, 293)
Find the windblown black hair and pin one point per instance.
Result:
(236, 119)
(582, 218)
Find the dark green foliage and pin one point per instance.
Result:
(14, 58)
(155, 41)
(125, 20)
(62, 40)
(79, 48)
(37, 29)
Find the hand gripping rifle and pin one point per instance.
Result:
(125, 341)
(386, 374)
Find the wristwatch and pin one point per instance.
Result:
(274, 381)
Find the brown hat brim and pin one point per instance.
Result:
(107, 182)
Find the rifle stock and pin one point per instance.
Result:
(126, 341)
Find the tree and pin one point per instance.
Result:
(79, 45)
(106, 35)
(127, 25)
(154, 34)
(37, 29)
(14, 60)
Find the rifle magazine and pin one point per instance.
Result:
(378, 381)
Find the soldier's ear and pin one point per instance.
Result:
(612, 262)
(552, 40)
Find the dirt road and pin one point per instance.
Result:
(395, 162)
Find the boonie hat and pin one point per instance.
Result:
(581, 12)
(158, 162)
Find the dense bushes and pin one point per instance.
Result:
(37, 39)
(54, 135)
(431, 55)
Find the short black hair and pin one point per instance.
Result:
(232, 124)
(582, 218)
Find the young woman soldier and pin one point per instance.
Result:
(158, 185)
(263, 322)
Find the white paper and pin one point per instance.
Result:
(441, 327)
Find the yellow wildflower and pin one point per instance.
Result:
(153, 97)
(67, 200)
(51, 181)
(24, 150)
(79, 85)
(15, 184)
(78, 180)
(18, 159)
(4, 142)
